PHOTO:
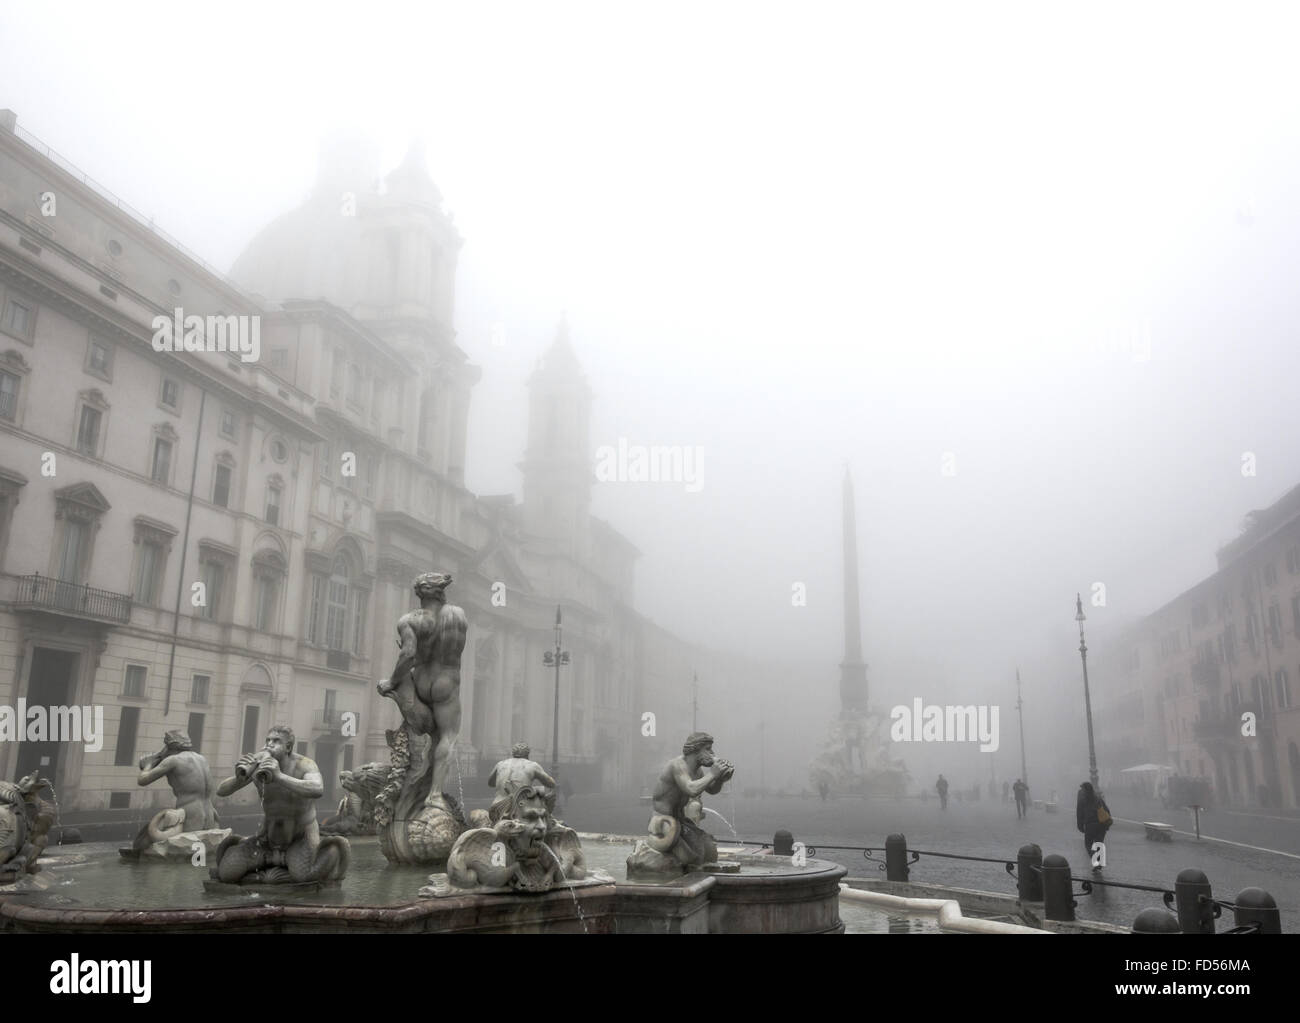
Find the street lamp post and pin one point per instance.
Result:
(1020, 707)
(555, 658)
(1087, 697)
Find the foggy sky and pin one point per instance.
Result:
(800, 239)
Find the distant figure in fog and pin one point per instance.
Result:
(941, 787)
(1022, 798)
(823, 790)
(1093, 818)
(1006, 791)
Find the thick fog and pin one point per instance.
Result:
(1027, 274)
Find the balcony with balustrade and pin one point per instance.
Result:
(45, 594)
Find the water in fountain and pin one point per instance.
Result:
(582, 919)
(724, 821)
(57, 811)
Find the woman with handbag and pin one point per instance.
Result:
(1093, 818)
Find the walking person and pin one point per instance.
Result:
(1093, 818)
(1006, 791)
(1022, 799)
(941, 787)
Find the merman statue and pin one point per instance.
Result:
(288, 846)
(676, 843)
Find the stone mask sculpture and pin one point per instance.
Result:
(523, 850)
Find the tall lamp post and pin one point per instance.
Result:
(1087, 697)
(1020, 706)
(555, 658)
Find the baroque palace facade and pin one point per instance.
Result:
(192, 540)
(1209, 684)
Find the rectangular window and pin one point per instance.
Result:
(347, 757)
(146, 583)
(199, 689)
(336, 618)
(228, 424)
(264, 613)
(326, 461)
(8, 396)
(279, 358)
(251, 737)
(75, 541)
(1270, 574)
(134, 680)
(221, 487)
(126, 732)
(317, 601)
(88, 431)
(18, 319)
(119, 800)
(195, 731)
(372, 471)
(214, 581)
(354, 385)
(171, 393)
(160, 470)
(99, 358)
(273, 505)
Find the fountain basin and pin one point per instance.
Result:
(95, 892)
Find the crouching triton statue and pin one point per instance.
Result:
(677, 844)
(171, 834)
(287, 847)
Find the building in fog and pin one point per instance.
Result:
(203, 541)
(1221, 661)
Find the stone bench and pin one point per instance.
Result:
(1157, 832)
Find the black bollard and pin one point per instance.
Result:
(783, 843)
(1058, 890)
(896, 858)
(1156, 921)
(1192, 900)
(1256, 906)
(1029, 877)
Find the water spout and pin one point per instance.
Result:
(582, 919)
(724, 821)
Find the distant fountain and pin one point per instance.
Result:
(855, 755)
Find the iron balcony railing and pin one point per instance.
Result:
(42, 591)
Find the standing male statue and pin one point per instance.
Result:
(190, 778)
(515, 773)
(288, 846)
(425, 684)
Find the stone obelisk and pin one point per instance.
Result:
(853, 672)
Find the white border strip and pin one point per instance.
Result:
(947, 911)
